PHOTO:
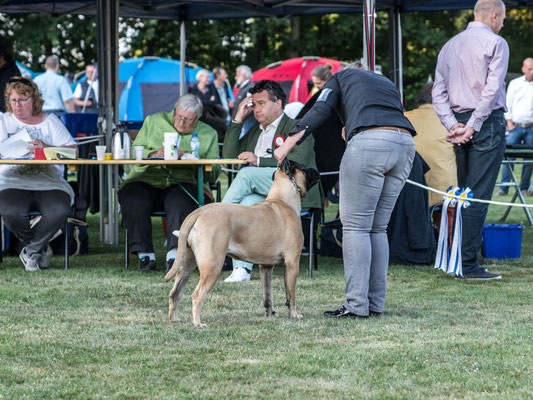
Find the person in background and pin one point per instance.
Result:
(25, 188)
(8, 68)
(432, 146)
(223, 94)
(147, 189)
(378, 158)
(469, 98)
(55, 89)
(519, 118)
(86, 92)
(203, 90)
(319, 76)
(243, 81)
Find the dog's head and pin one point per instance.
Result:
(304, 178)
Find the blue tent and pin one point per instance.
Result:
(25, 71)
(150, 84)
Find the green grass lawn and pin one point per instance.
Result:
(98, 331)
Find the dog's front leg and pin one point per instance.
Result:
(265, 271)
(291, 274)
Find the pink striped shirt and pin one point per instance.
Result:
(470, 75)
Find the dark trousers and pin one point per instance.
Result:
(138, 200)
(53, 205)
(478, 164)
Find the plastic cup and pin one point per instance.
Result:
(108, 156)
(138, 152)
(100, 152)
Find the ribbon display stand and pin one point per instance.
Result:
(449, 260)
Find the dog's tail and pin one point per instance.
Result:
(184, 252)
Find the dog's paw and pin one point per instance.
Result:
(294, 314)
(270, 313)
(200, 325)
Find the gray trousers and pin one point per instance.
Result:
(54, 206)
(373, 170)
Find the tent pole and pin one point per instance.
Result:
(395, 32)
(107, 15)
(369, 34)
(182, 57)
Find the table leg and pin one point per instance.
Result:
(200, 185)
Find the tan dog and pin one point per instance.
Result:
(266, 233)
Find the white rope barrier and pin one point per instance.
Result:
(499, 203)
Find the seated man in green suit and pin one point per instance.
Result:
(253, 181)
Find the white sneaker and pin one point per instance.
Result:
(238, 275)
(31, 263)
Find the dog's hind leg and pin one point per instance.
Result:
(208, 278)
(291, 274)
(265, 271)
(185, 270)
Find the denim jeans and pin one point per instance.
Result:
(373, 170)
(478, 164)
(519, 135)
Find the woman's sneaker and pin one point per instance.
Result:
(238, 275)
(31, 263)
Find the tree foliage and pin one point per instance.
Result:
(258, 42)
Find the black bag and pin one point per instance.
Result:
(331, 241)
(78, 239)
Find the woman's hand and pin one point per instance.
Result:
(158, 154)
(36, 144)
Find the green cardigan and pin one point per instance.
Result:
(303, 153)
(151, 136)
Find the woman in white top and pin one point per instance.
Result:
(25, 188)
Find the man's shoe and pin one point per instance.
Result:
(30, 262)
(238, 275)
(501, 193)
(170, 263)
(342, 312)
(527, 192)
(481, 273)
(374, 314)
(146, 265)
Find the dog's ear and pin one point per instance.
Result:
(312, 176)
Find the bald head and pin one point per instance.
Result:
(491, 13)
(527, 69)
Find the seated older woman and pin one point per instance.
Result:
(173, 189)
(25, 188)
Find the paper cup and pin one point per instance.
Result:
(100, 152)
(138, 152)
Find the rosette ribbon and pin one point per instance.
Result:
(443, 254)
(455, 264)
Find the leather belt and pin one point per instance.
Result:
(524, 125)
(376, 128)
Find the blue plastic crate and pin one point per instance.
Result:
(502, 241)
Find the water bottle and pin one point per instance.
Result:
(195, 145)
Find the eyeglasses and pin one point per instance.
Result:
(184, 120)
(18, 79)
(19, 101)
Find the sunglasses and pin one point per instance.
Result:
(24, 81)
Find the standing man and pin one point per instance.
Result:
(519, 118)
(243, 80)
(56, 91)
(222, 90)
(374, 167)
(469, 98)
(86, 92)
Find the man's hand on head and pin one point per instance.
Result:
(244, 109)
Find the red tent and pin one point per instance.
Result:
(294, 75)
